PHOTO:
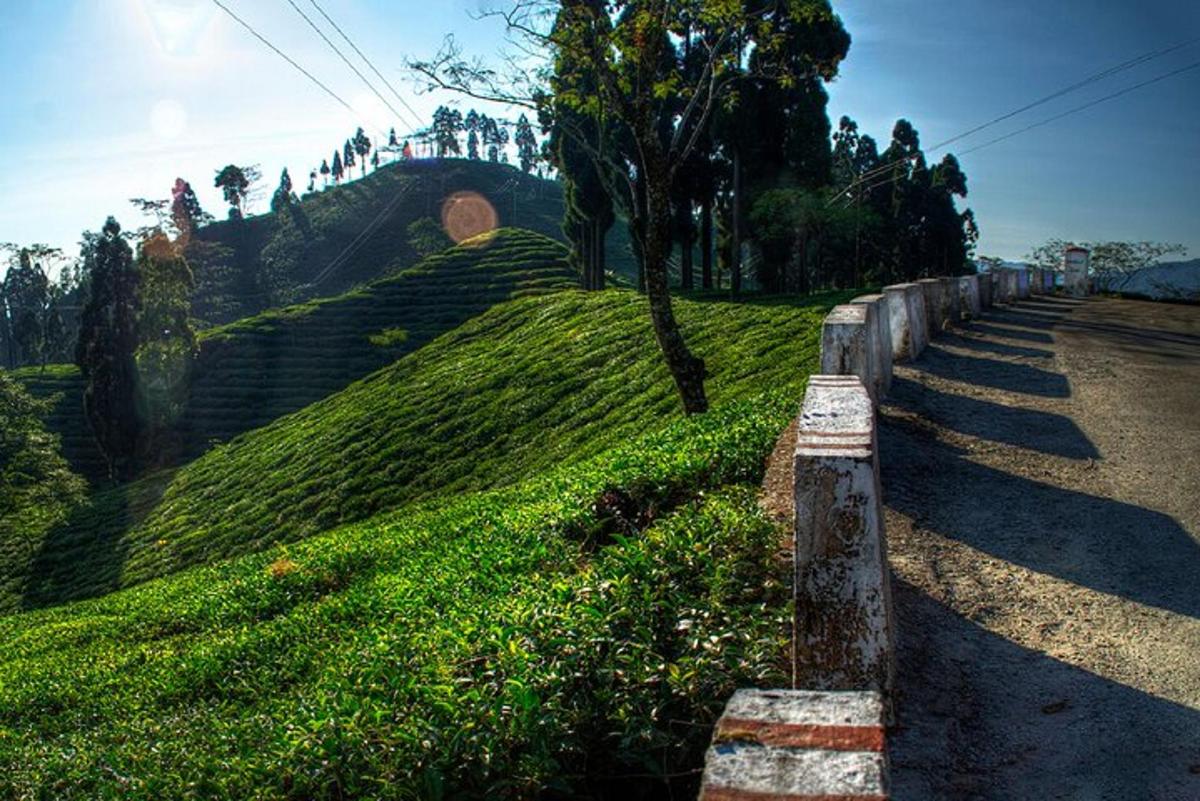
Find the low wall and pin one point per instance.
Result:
(825, 737)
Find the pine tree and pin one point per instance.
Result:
(107, 348)
(362, 146)
(527, 144)
(347, 156)
(186, 214)
(375, 160)
(447, 123)
(325, 171)
(283, 194)
(392, 138)
(338, 170)
(471, 125)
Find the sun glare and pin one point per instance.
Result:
(468, 214)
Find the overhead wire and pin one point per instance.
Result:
(366, 60)
(1080, 84)
(350, 64)
(1040, 123)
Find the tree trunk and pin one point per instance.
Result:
(687, 369)
(706, 242)
(598, 260)
(687, 236)
(735, 256)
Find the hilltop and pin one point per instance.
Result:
(332, 240)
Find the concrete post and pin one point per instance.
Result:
(1022, 283)
(931, 288)
(847, 344)
(843, 624)
(985, 290)
(906, 317)
(882, 342)
(950, 301)
(968, 289)
(1035, 281)
(798, 744)
(1048, 280)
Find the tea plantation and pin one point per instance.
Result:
(502, 566)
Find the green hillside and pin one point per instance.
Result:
(344, 236)
(529, 385)
(255, 370)
(572, 636)
(64, 384)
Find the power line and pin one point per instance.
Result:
(349, 64)
(1087, 105)
(368, 61)
(284, 56)
(347, 252)
(1061, 115)
(1087, 81)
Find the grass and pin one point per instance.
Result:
(275, 259)
(571, 635)
(63, 385)
(258, 369)
(531, 384)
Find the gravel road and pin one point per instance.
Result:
(1041, 473)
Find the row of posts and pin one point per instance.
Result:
(825, 736)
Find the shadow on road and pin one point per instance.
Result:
(1006, 376)
(982, 717)
(1012, 425)
(1106, 545)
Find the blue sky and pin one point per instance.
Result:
(110, 99)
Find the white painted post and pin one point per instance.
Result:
(882, 343)
(848, 344)
(798, 744)
(843, 626)
(906, 317)
(968, 288)
(931, 288)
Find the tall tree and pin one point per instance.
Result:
(348, 157)
(234, 183)
(106, 352)
(166, 343)
(337, 170)
(527, 144)
(471, 125)
(26, 291)
(186, 214)
(633, 48)
(362, 146)
(325, 172)
(283, 196)
(447, 123)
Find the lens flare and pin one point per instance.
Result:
(468, 214)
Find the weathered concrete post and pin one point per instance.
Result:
(968, 289)
(906, 317)
(882, 339)
(951, 305)
(931, 288)
(1075, 271)
(847, 344)
(1048, 279)
(1022, 283)
(843, 625)
(985, 290)
(798, 744)
(1035, 281)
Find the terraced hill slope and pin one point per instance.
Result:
(346, 235)
(529, 385)
(64, 383)
(258, 369)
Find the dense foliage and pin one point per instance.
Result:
(37, 488)
(576, 632)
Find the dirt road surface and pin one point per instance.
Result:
(1041, 473)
